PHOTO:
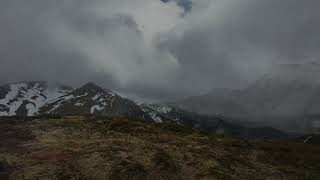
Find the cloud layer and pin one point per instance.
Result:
(154, 49)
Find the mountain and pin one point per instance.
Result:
(209, 123)
(223, 102)
(169, 113)
(285, 93)
(287, 98)
(40, 98)
(159, 112)
(37, 98)
(92, 99)
(25, 98)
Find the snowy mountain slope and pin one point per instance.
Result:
(25, 98)
(92, 99)
(36, 98)
(168, 113)
(159, 113)
(209, 123)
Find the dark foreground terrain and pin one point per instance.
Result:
(103, 148)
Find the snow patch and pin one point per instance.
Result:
(96, 107)
(155, 117)
(78, 104)
(11, 100)
(164, 109)
(95, 97)
(36, 95)
(155, 111)
(60, 101)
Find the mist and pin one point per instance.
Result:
(152, 49)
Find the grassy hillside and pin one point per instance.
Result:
(102, 148)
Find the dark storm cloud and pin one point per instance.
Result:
(221, 43)
(234, 40)
(79, 41)
(26, 53)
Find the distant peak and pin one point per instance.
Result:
(91, 85)
(94, 88)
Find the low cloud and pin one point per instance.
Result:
(154, 49)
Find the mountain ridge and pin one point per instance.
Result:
(32, 98)
(91, 99)
(25, 98)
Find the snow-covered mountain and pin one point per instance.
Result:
(92, 99)
(25, 98)
(158, 112)
(209, 123)
(169, 113)
(40, 98)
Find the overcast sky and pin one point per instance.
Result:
(155, 48)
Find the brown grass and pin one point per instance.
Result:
(117, 148)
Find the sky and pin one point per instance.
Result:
(155, 49)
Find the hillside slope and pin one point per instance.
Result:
(25, 98)
(38, 98)
(104, 148)
(92, 99)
